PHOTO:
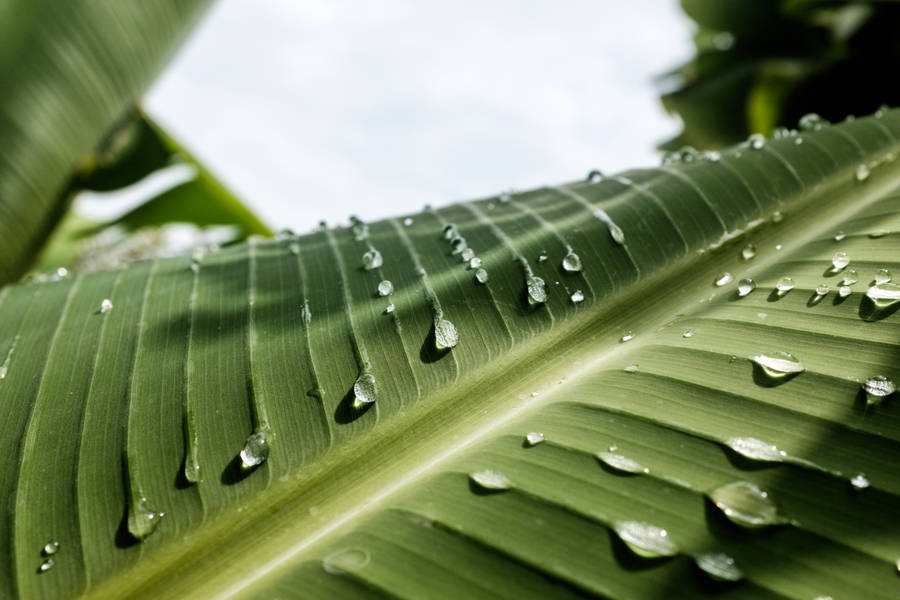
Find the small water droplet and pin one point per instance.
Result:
(756, 141)
(481, 276)
(779, 364)
(748, 252)
(877, 388)
(533, 438)
(811, 122)
(294, 247)
(777, 217)
(822, 289)
(407, 221)
(577, 296)
(756, 449)
(364, 390)
(346, 560)
(389, 308)
(255, 450)
(719, 566)
(195, 267)
(542, 256)
(840, 260)
(745, 286)
(844, 291)
(47, 565)
(51, 547)
(621, 463)
(385, 288)
(840, 235)
(372, 259)
(883, 276)
(724, 279)
(884, 295)
(474, 262)
(798, 141)
(627, 337)
(445, 335)
(778, 246)
(745, 504)
(687, 333)
(467, 255)
(458, 244)
(850, 277)
(106, 305)
(859, 482)
(632, 368)
(142, 519)
(537, 290)
(878, 234)
(862, 172)
(450, 231)
(595, 175)
(645, 540)
(784, 285)
(490, 480)
(571, 262)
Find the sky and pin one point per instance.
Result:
(314, 110)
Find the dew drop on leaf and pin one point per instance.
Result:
(294, 247)
(445, 335)
(719, 566)
(346, 560)
(474, 262)
(467, 255)
(756, 449)
(811, 122)
(533, 438)
(884, 294)
(50, 548)
(407, 221)
(385, 288)
(47, 565)
(777, 217)
(822, 289)
(840, 235)
(458, 244)
(372, 259)
(862, 172)
(645, 540)
(621, 463)
(490, 480)
(850, 277)
(255, 450)
(537, 290)
(784, 285)
(840, 260)
(859, 482)
(844, 291)
(756, 141)
(627, 337)
(724, 279)
(687, 333)
(877, 388)
(542, 256)
(364, 390)
(106, 305)
(779, 364)
(450, 231)
(745, 504)
(142, 520)
(389, 308)
(577, 296)
(632, 369)
(745, 286)
(882, 276)
(481, 276)
(748, 252)
(571, 262)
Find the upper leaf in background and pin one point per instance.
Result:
(69, 70)
(765, 63)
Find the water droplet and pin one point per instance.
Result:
(106, 305)
(407, 221)
(616, 233)
(595, 175)
(840, 260)
(47, 565)
(294, 247)
(745, 504)
(784, 285)
(389, 308)
(255, 450)
(779, 364)
(745, 286)
(840, 235)
(490, 480)
(862, 172)
(571, 262)
(850, 277)
(748, 252)
(195, 267)
(645, 540)
(467, 254)
(621, 463)
(51, 547)
(360, 231)
(142, 519)
(385, 288)
(458, 244)
(859, 482)
(450, 231)
(719, 566)
(724, 279)
(542, 256)
(632, 368)
(345, 560)
(756, 141)
(474, 262)
(445, 335)
(822, 289)
(777, 217)
(537, 290)
(577, 296)
(884, 294)
(756, 449)
(687, 333)
(533, 438)
(364, 390)
(882, 276)
(481, 276)
(798, 141)
(627, 337)
(811, 122)
(877, 388)
(844, 291)
(372, 259)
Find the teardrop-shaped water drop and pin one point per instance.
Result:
(577, 296)
(756, 141)
(840, 260)
(450, 231)
(877, 388)
(474, 262)
(385, 288)
(490, 480)
(862, 172)
(445, 335)
(645, 540)
(142, 519)
(467, 255)
(840, 235)
(756, 449)
(859, 482)
(850, 277)
(719, 566)
(884, 295)
(533, 438)
(883, 276)
(748, 252)
(571, 262)
(537, 290)
(481, 276)
(844, 291)
(372, 259)
(364, 390)
(255, 450)
(745, 286)
(779, 364)
(46, 565)
(106, 305)
(745, 504)
(50, 548)
(627, 337)
(784, 285)
(621, 463)
(724, 279)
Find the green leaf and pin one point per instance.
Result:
(70, 69)
(660, 447)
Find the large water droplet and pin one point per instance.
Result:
(346, 560)
(779, 364)
(784, 285)
(745, 286)
(745, 504)
(645, 540)
(255, 450)
(883, 276)
(537, 290)
(372, 259)
(884, 294)
(724, 279)
(533, 438)
(50, 548)
(481, 276)
(142, 519)
(385, 288)
(490, 480)
(719, 566)
(877, 388)
(577, 296)
(859, 482)
(840, 260)
(571, 262)
(47, 565)
(445, 335)
(621, 463)
(364, 390)
(862, 172)
(748, 252)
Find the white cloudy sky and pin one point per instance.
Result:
(315, 109)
